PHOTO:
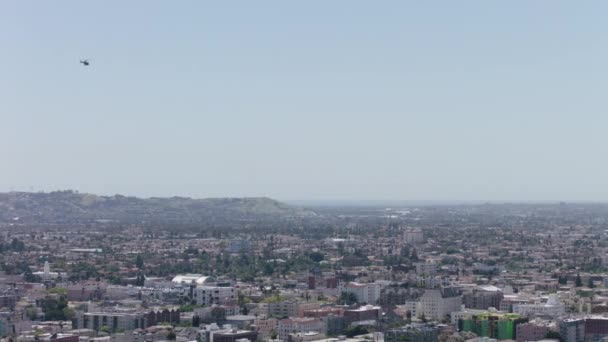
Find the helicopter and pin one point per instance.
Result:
(85, 62)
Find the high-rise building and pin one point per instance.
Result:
(366, 293)
(413, 236)
(596, 328)
(439, 303)
(572, 330)
(483, 298)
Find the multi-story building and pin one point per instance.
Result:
(464, 313)
(572, 330)
(283, 308)
(117, 292)
(391, 296)
(226, 333)
(124, 321)
(113, 321)
(335, 325)
(265, 327)
(534, 330)
(291, 325)
(432, 282)
(552, 308)
(234, 335)
(209, 295)
(508, 301)
(57, 337)
(426, 268)
(439, 303)
(483, 298)
(305, 337)
(492, 324)
(239, 246)
(366, 293)
(213, 313)
(86, 291)
(363, 313)
(169, 295)
(413, 333)
(290, 308)
(8, 300)
(411, 306)
(155, 317)
(322, 312)
(596, 328)
(303, 307)
(312, 282)
(413, 236)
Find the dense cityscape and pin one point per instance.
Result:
(461, 272)
(303, 171)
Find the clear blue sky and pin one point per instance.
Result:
(413, 100)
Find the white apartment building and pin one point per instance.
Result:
(209, 295)
(366, 293)
(552, 308)
(439, 303)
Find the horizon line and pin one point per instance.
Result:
(336, 200)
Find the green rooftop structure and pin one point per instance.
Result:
(501, 326)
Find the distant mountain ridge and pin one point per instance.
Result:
(70, 206)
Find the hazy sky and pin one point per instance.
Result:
(418, 100)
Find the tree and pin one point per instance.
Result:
(414, 256)
(268, 269)
(554, 335)
(68, 313)
(17, 245)
(61, 291)
(31, 312)
(316, 256)
(196, 321)
(171, 336)
(347, 298)
(139, 261)
(29, 277)
(590, 283)
(54, 309)
(140, 280)
(423, 318)
(355, 331)
(579, 281)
